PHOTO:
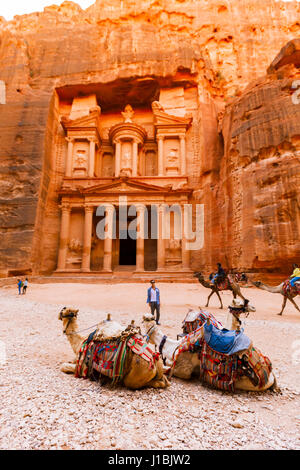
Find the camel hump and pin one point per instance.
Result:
(107, 330)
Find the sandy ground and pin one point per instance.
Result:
(42, 408)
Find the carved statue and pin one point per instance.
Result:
(128, 113)
(174, 244)
(75, 245)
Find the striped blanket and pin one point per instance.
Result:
(194, 320)
(223, 370)
(288, 289)
(108, 359)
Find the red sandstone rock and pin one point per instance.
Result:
(250, 189)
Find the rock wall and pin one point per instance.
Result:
(249, 187)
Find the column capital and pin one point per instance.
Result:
(92, 139)
(140, 207)
(70, 139)
(65, 206)
(160, 137)
(88, 208)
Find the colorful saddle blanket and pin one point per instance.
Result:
(222, 371)
(288, 289)
(222, 283)
(226, 341)
(108, 359)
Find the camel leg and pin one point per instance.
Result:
(159, 383)
(68, 368)
(294, 303)
(217, 292)
(238, 292)
(208, 298)
(283, 305)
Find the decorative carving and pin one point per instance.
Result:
(128, 113)
(173, 162)
(75, 246)
(156, 106)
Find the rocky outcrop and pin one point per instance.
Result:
(260, 170)
(249, 189)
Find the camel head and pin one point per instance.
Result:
(198, 275)
(238, 307)
(67, 315)
(257, 283)
(149, 324)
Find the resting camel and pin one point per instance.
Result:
(137, 373)
(287, 294)
(188, 363)
(231, 285)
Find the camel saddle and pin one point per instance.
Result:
(222, 283)
(195, 319)
(288, 289)
(226, 341)
(104, 352)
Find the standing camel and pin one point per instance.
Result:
(286, 292)
(137, 373)
(229, 285)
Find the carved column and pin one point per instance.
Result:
(69, 157)
(160, 240)
(64, 236)
(160, 155)
(134, 158)
(107, 258)
(140, 245)
(87, 239)
(100, 163)
(117, 158)
(92, 158)
(185, 253)
(182, 155)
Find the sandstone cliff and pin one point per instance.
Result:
(249, 187)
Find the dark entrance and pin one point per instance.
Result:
(127, 252)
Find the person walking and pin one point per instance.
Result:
(25, 285)
(20, 284)
(153, 299)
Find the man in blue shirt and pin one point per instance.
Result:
(154, 301)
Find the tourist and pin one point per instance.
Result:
(20, 284)
(296, 275)
(220, 274)
(154, 301)
(25, 285)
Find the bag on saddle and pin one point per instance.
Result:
(195, 319)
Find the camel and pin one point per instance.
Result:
(137, 373)
(231, 285)
(188, 363)
(287, 294)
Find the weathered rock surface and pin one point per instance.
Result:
(249, 190)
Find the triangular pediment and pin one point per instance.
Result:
(162, 118)
(124, 185)
(91, 120)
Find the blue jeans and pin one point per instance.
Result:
(295, 279)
